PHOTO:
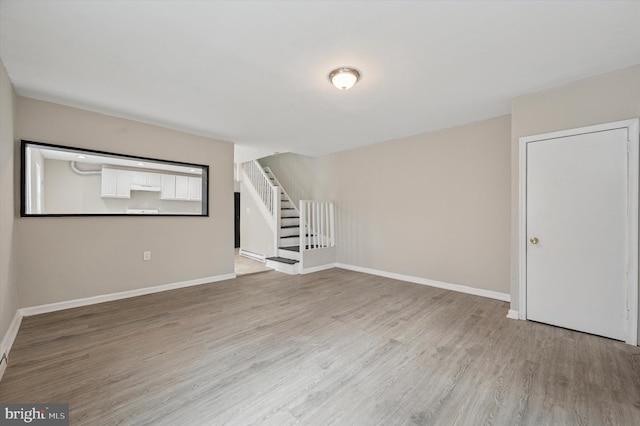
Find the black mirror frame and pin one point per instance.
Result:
(23, 204)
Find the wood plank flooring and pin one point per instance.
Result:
(331, 348)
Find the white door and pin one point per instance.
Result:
(577, 232)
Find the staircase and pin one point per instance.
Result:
(288, 255)
(303, 238)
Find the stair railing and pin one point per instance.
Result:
(269, 194)
(317, 225)
(284, 191)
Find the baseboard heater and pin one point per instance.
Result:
(252, 255)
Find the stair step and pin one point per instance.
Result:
(283, 260)
(297, 248)
(290, 236)
(289, 226)
(287, 208)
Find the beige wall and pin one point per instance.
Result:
(297, 174)
(8, 271)
(609, 97)
(65, 258)
(433, 206)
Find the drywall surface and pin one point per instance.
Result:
(8, 265)
(432, 206)
(256, 235)
(66, 258)
(605, 98)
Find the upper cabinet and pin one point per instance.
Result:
(195, 189)
(146, 179)
(88, 182)
(168, 185)
(184, 188)
(116, 183)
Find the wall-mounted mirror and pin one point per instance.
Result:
(64, 181)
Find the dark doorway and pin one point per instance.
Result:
(237, 216)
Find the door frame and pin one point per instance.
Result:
(633, 160)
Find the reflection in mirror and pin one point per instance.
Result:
(64, 181)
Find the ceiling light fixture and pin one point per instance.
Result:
(344, 78)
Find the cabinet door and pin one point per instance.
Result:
(109, 182)
(154, 179)
(195, 189)
(139, 178)
(123, 186)
(182, 188)
(168, 187)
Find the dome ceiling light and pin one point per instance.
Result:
(344, 78)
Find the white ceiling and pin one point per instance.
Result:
(255, 72)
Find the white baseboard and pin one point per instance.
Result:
(252, 255)
(7, 340)
(513, 314)
(439, 284)
(58, 306)
(317, 268)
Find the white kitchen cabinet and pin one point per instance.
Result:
(154, 179)
(116, 183)
(195, 189)
(146, 178)
(182, 188)
(109, 182)
(168, 186)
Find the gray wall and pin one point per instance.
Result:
(434, 206)
(605, 98)
(8, 208)
(66, 258)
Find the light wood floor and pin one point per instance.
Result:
(334, 347)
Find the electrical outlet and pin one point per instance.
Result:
(147, 255)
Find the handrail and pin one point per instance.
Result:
(284, 191)
(262, 184)
(317, 224)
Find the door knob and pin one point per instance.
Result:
(534, 240)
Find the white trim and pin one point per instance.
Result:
(633, 171)
(252, 255)
(7, 340)
(633, 130)
(285, 268)
(58, 306)
(318, 268)
(431, 283)
(10, 335)
(512, 314)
